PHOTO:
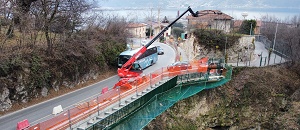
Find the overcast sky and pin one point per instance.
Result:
(255, 8)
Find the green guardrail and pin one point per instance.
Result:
(139, 113)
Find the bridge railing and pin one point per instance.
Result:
(160, 99)
(81, 111)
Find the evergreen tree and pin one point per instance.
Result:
(246, 26)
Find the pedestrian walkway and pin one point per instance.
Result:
(259, 58)
(182, 54)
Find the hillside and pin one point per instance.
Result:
(29, 75)
(262, 98)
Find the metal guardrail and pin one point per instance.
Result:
(268, 45)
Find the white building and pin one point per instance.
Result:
(211, 19)
(137, 30)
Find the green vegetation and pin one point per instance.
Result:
(176, 32)
(177, 29)
(111, 52)
(61, 50)
(39, 75)
(148, 30)
(179, 25)
(215, 39)
(265, 98)
(248, 27)
(162, 39)
(298, 121)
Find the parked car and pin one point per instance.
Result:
(183, 65)
(160, 51)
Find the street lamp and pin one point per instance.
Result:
(225, 52)
(275, 36)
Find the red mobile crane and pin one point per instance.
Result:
(125, 72)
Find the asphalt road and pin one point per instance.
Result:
(43, 111)
(261, 51)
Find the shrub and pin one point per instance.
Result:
(213, 38)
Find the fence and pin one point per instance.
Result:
(264, 58)
(81, 111)
(279, 47)
(259, 60)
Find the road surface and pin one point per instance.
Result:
(43, 111)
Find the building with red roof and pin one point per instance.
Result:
(211, 19)
(137, 30)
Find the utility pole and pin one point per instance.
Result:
(249, 54)
(158, 19)
(251, 29)
(151, 24)
(275, 36)
(225, 52)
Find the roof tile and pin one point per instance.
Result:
(211, 15)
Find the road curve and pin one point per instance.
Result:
(43, 111)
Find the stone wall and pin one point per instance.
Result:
(195, 51)
(16, 89)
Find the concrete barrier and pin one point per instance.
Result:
(57, 109)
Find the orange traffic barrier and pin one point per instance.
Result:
(124, 88)
(34, 127)
(22, 125)
(104, 90)
(204, 60)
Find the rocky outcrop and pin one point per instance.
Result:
(5, 102)
(194, 50)
(44, 92)
(18, 88)
(255, 98)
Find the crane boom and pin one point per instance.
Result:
(124, 71)
(166, 28)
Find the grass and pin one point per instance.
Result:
(23, 39)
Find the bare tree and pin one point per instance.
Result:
(19, 10)
(6, 11)
(3, 10)
(116, 26)
(291, 35)
(295, 21)
(14, 15)
(269, 26)
(58, 16)
(288, 36)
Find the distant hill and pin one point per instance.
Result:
(274, 5)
